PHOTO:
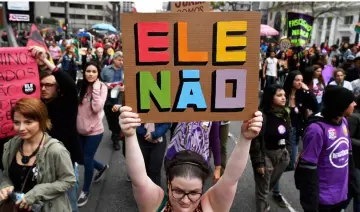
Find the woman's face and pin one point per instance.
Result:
(306, 52)
(317, 72)
(339, 76)
(298, 82)
(26, 128)
(279, 98)
(295, 57)
(180, 186)
(283, 55)
(91, 74)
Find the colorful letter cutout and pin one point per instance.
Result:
(219, 101)
(148, 88)
(181, 51)
(190, 93)
(152, 42)
(227, 49)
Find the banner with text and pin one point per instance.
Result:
(299, 28)
(191, 66)
(19, 77)
(190, 6)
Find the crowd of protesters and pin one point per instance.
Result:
(299, 103)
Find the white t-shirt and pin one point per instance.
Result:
(271, 66)
(347, 85)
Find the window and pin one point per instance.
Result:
(349, 20)
(99, 7)
(328, 23)
(79, 6)
(57, 15)
(76, 16)
(271, 14)
(57, 4)
(95, 17)
(108, 19)
(345, 39)
(321, 22)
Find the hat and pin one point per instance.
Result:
(350, 57)
(336, 100)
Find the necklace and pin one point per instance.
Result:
(25, 159)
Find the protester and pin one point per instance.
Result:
(99, 57)
(283, 70)
(339, 76)
(59, 93)
(315, 81)
(224, 134)
(68, 62)
(35, 163)
(322, 174)
(152, 142)
(353, 73)
(114, 74)
(92, 97)
(55, 52)
(270, 69)
(186, 172)
(270, 150)
(200, 137)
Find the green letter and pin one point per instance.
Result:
(159, 91)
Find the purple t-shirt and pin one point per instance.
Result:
(330, 151)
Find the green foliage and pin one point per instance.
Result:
(217, 5)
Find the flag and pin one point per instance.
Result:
(35, 39)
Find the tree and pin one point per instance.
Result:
(314, 9)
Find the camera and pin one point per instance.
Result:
(15, 196)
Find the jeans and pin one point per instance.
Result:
(72, 193)
(276, 188)
(294, 142)
(356, 202)
(270, 80)
(153, 154)
(112, 119)
(90, 145)
(224, 133)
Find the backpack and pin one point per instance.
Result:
(192, 136)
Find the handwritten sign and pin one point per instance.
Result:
(187, 6)
(299, 28)
(19, 77)
(192, 67)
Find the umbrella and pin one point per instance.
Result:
(83, 34)
(105, 27)
(267, 30)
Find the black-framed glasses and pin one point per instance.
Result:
(179, 194)
(47, 85)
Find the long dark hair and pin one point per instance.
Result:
(289, 82)
(85, 83)
(268, 97)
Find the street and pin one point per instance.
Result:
(114, 193)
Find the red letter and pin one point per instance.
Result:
(152, 42)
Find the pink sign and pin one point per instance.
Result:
(327, 73)
(19, 77)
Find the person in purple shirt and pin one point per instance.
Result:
(200, 137)
(326, 164)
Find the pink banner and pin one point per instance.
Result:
(327, 73)
(19, 77)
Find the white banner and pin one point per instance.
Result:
(19, 17)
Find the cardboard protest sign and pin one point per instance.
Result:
(191, 67)
(190, 6)
(35, 39)
(299, 28)
(19, 77)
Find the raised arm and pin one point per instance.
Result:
(222, 194)
(99, 95)
(147, 194)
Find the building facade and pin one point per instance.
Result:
(335, 26)
(81, 15)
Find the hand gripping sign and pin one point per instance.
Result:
(192, 66)
(19, 77)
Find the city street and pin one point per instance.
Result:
(114, 193)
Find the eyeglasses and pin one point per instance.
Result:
(180, 194)
(47, 85)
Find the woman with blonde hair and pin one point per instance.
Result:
(339, 76)
(34, 163)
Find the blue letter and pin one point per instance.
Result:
(190, 93)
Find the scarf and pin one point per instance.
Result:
(283, 113)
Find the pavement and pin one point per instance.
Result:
(114, 193)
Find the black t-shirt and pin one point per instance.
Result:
(277, 133)
(17, 174)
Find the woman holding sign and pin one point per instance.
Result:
(186, 172)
